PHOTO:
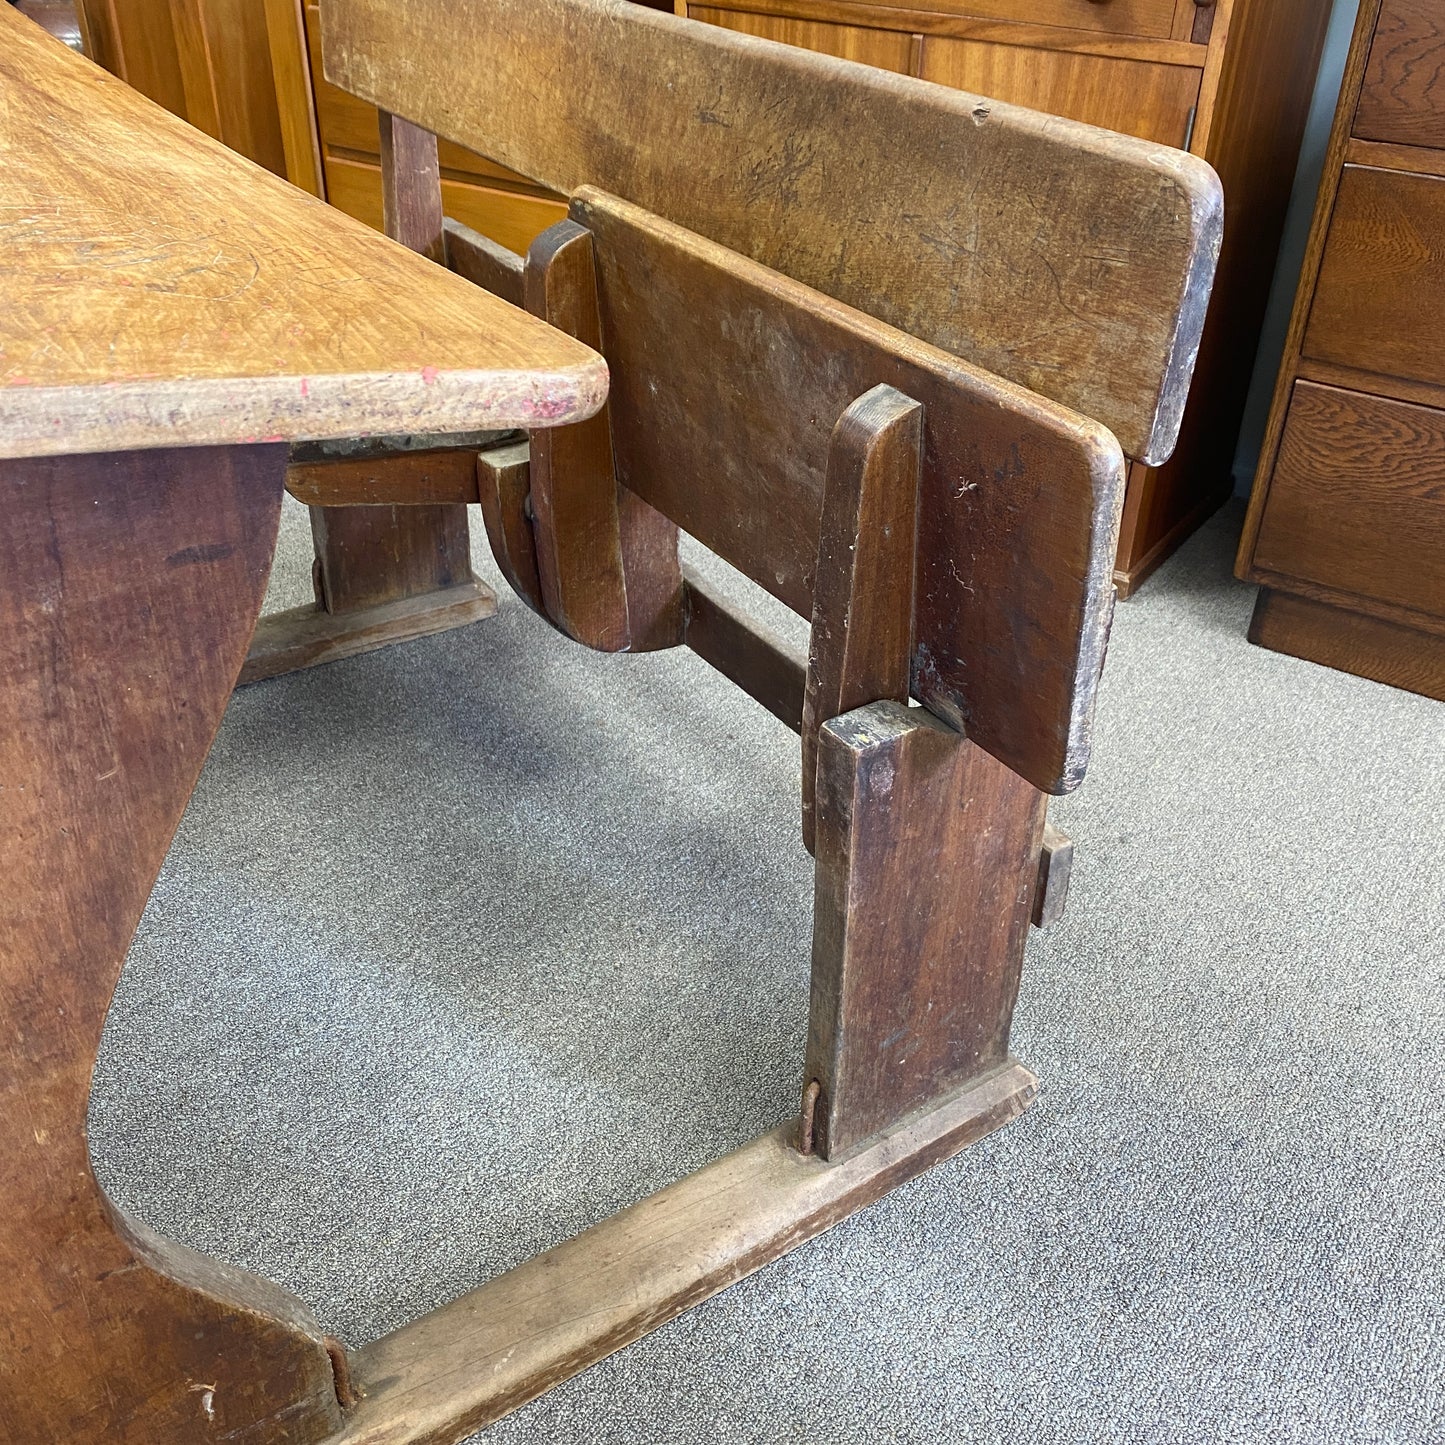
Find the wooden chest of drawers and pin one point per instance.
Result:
(1230, 80)
(1346, 527)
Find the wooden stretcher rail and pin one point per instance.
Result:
(468, 1363)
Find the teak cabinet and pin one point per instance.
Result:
(1346, 527)
(1229, 80)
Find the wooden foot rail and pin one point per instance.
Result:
(467, 1364)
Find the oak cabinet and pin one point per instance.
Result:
(1346, 527)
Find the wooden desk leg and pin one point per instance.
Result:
(129, 585)
(927, 861)
(383, 574)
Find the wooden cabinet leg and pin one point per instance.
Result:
(926, 862)
(129, 585)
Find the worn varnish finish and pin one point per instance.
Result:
(721, 418)
(124, 266)
(927, 854)
(1056, 866)
(469, 1363)
(861, 641)
(1346, 525)
(156, 287)
(128, 588)
(446, 474)
(841, 176)
(308, 636)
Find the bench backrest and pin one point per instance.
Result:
(727, 381)
(1071, 260)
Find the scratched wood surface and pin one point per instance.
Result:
(1072, 260)
(727, 382)
(172, 293)
(861, 641)
(927, 854)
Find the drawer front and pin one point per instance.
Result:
(1142, 98)
(510, 218)
(1357, 499)
(1403, 99)
(886, 49)
(1116, 17)
(1380, 300)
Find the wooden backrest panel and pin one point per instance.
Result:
(1071, 260)
(727, 380)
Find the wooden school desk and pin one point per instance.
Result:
(171, 316)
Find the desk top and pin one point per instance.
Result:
(156, 289)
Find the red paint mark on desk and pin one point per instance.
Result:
(429, 375)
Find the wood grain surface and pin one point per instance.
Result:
(129, 585)
(927, 860)
(167, 292)
(1372, 647)
(1380, 301)
(768, 669)
(577, 529)
(1074, 261)
(1357, 501)
(860, 645)
(727, 382)
(469, 1363)
(1402, 98)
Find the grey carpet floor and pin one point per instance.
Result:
(464, 945)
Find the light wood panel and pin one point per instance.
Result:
(1123, 17)
(208, 61)
(887, 49)
(1148, 100)
(510, 218)
(1357, 502)
(349, 124)
(1379, 304)
(709, 127)
(136, 262)
(295, 100)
